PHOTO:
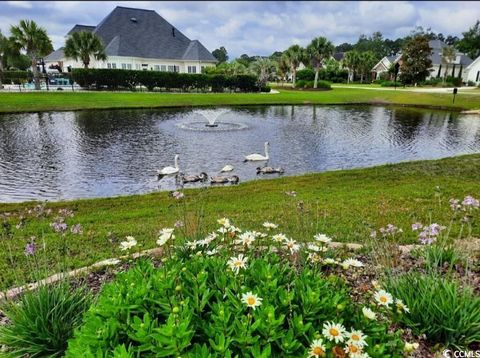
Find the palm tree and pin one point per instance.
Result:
(318, 50)
(3, 53)
(263, 68)
(283, 67)
(351, 61)
(294, 55)
(448, 56)
(83, 45)
(31, 38)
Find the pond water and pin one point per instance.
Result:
(66, 155)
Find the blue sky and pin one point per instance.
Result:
(258, 28)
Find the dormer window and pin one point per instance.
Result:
(133, 19)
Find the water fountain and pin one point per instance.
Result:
(212, 116)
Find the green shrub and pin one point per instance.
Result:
(128, 79)
(439, 307)
(305, 75)
(432, 82)
(471, 83)
(438, 256)
(16, 77)
(43, 320)
(390, 84)
(194, 308)
(455, 81)
(309, 84)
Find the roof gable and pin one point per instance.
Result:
(78, 28)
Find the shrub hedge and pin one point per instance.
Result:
(130, 79)
(15, 77)
(309, 84)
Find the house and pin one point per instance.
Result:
(472, 72)
(439, 67)
(137, 39)
(384, 65)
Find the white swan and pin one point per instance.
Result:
(258, 157)
(169, 170)
(227, 168)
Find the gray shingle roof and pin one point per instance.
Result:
(144, 33)
(57, 55)
(78, 28)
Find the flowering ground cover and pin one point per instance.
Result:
(345, 205)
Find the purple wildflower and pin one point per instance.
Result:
(30, 249)
(454, 204)
(59, 226)
(76, 229)
(430, 233)
(65, 213)
(179, 223)
(416, 226)
(178, 195)
(470, 201)
(390, 229)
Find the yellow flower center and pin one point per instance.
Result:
(318, 351)
(251, 301)
(334, 332)
(383, 299)
(355, 337)
(353, 349)
(237, 263)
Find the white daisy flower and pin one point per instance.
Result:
(402, 306)
(357, 338)
(351, 262)
(236, 263)
(246, 239)
(162, 240)
(279, 238)
(334, 332)
(323, 238)
(383, 298)
(192, 245)
(212, 252)
(251, 300)
(317, 349)
(316, 248)
(330, 261)
(166, 231)
(291, 245)
(353, 350)
(128, 244)
(368, 313)
(224, 222)
(222, 230)
(269, 225)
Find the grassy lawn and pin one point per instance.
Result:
(32, 102)
(343, 204)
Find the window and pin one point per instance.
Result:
(114, 65)
(202, 69)
(129, 66)
(157, 67)
(145, 66)
(124, 66)
(137, 66)
(171, 68)
(192, 69)
(109, 65)
(163, 68)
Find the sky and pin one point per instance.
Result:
(258, 28)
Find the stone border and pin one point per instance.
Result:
(14, 292)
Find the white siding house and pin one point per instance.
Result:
(472, 72)
(137, 39)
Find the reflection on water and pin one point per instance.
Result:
(69, 155)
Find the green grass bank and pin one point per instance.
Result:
(56, 101)
(345, 204)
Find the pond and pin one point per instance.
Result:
(67, 155)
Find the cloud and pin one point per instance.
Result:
(259, 28)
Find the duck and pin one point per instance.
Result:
(258, 157)
(270, 170)
(227, 168)
(224, 179)
(169, 170)
(203, 177)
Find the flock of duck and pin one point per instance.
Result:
(219, 179)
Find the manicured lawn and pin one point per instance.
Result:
(343, 204)
(32, 102)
